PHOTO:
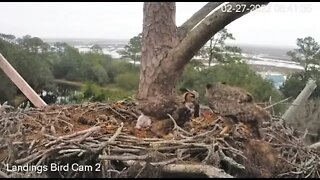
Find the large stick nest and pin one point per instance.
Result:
(100, 140)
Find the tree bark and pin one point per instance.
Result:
(165, 52)
(196, 18)
(156, 88)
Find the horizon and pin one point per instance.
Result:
(106, 39)
(277, 24)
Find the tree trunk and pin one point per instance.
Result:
(157, 79)
(166, 50)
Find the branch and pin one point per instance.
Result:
(270, 106)
(210, 171)
(176, 125)
(212, 24)
(315, 145)
(123, 158)
(196, 18)
(116, 134)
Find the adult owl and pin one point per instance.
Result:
(235, 105)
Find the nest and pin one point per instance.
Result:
(100, 140)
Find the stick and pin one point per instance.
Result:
(116, 134)
(230, 160)
(284, 100)
(162, 163)
(115, 111)
(315, 145)
(176, 125)
(123, 158)
(96, 128)
(128, 112)
(210, 171)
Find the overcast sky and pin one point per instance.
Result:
(278, 24)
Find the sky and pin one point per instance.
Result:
(278, 24)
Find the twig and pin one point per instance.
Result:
(62, 120)
(92, 129)
(315, 145)
(69, 150)
(143, 168)
(177, 127)
(31, 146)
(12, 149)
(230, 160)
(270, 106)
(115, 111)
(67, 155)
(84, 137)
(162, 163)
(53, 130)
(116, 134)
(210, 171)
(128, 112)
(123, 158)
(23, 160)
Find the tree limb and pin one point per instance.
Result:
(196, 18)
(206, 29)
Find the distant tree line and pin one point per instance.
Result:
(40, 63)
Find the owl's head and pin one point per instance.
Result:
(189, 96)
(210, 87)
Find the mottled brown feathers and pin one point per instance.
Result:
(235, 102)
(221, 90)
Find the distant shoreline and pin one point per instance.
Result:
(127, 40)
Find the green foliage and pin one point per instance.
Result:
(74, 66)
(112, 80)
(128, 81)
(133, 49)
(69, 65)
(7, 89)
(93, 92)
(95, 67)
(308, 55)
(293, 85)
(31, 59)
(218, 51)
(127, 75)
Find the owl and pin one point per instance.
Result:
(187, 106)
(221, 90)
(236, 105)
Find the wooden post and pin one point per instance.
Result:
(302, 97)
(20, 83)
